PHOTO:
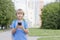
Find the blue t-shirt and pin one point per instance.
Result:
(19, 34)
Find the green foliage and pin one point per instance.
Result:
(49, 38)
(51, 16)
(7, 12)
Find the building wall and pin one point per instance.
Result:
(34, 11)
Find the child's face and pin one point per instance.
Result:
(20, 15)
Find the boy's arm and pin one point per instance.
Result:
(26, 27)
(13, 30)
(26, 31)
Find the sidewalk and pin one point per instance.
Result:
(7, 36)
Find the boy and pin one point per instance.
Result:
(19, 27)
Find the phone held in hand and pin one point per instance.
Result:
(19, 23)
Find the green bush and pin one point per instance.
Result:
(51, 16)
(7, 12)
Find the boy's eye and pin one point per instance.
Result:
(20, 13)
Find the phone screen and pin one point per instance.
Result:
(19, 23)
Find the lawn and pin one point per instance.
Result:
(1, 30)
(50, 38)
(43, 32)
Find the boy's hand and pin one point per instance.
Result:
(21, 27)
(26, 31)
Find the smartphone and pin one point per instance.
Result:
(19, 23)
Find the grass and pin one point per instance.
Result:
(43, 32)
(1, 30)
(50, 38)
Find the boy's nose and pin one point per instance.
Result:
(19, 16)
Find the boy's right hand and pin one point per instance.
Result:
(13, 30)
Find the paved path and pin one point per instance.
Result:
(7, 36)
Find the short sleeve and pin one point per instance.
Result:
(26, 25)
(12, 25)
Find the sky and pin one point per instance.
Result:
(19, 2)
(48, 1)
(45, 1)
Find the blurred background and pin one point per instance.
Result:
(43, 17)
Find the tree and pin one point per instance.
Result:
(51, 16)
(7, 12)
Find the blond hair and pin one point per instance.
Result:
(19, 10)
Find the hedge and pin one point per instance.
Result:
(51, 16)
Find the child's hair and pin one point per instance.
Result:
(19, 10)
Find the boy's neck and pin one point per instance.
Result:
(20, 19)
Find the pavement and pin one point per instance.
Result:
(6, 35)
